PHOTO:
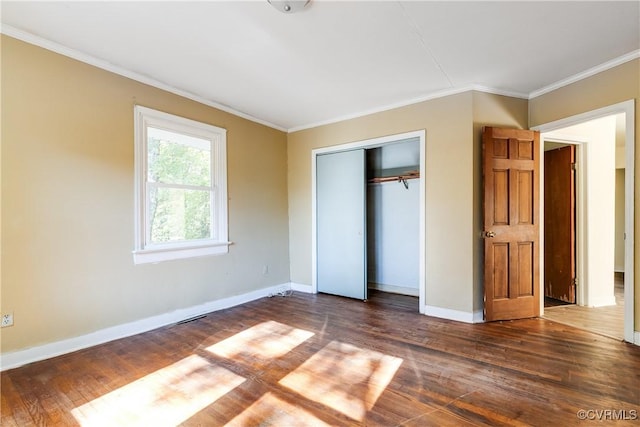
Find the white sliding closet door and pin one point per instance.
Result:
(341, 223)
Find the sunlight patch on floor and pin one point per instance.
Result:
(261, 343)
(344, 377)
(271, 411)
(165, 397)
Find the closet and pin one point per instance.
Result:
(367, 219)
(393, 217)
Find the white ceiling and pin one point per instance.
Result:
(335, 59)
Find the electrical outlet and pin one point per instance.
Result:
(7, 320)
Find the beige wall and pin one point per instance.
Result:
(449, 190)
(607, 88)
(67, 203)
(67, 194)
(452, 181)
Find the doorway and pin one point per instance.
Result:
(559, 223)
(372, 149)
(594, 135)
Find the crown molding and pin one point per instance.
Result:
(105, 65)
(587, 73)
(440, 94)
(427, 97)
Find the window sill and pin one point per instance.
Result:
(155, 255)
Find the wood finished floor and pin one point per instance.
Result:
(324, 360)
(607, 321)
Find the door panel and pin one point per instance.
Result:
(500, 197)
(341, 223)
(525, 204)
(525, 269)
(501, 270)
(559, 224)
(511, 242)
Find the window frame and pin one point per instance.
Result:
(144, 250)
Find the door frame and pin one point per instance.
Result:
(366, 144)
(628, 109)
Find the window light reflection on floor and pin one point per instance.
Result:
(165, 397)
(271, 411)
(344, 377)
(261, 343)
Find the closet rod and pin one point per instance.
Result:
(399, 178)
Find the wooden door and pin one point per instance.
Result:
(341, 224)
(560, 224)
(511, 166)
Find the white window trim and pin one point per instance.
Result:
(151, 253)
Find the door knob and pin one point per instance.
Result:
(489, 234)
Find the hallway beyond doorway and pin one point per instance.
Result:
(607, 321)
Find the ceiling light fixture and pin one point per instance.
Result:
(289, 6)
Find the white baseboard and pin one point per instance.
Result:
(602, 302)
(403, 290)
(459, 316)
(636, 337)
(307, 289)
(46, 351)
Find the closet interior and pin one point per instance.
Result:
(393, 185)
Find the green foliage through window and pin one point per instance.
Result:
(180, 194)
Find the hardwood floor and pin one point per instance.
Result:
(324, 360)
(607, 321)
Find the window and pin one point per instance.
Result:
(181, 189)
